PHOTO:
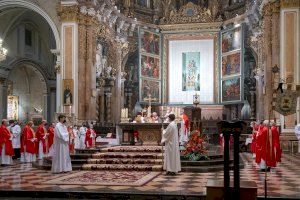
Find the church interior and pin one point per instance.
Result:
(150, 99)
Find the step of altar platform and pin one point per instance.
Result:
(116, 161)
(124, 155)
(143, 149)
(128, 167)
(210, 162)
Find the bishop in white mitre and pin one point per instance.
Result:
(172, 154)
(61, 161)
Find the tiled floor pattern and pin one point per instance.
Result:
(284, 181)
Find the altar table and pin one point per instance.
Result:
(149, 133)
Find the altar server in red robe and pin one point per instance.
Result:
(51, 134)
(254, 134)
(28, 144)
(268, 147)
(6, 148)
(71, 140)
(42, 140)
(90, 135)
(261, 145)
(50, 139)
(275, 146)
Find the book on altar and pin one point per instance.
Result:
(109, 135)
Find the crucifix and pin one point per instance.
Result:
(149, 99)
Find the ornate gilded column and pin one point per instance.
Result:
(88, 69)
(68, 13)
(271, 36)
(81, 70)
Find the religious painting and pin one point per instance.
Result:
(231, 64)
(150, 67)
(68, 92)
(191, 71)
(150, 87)
(12, 107)
(231, 89)
(149, 42)
(231, 40)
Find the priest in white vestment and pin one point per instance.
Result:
(61, 161)
(172, 154)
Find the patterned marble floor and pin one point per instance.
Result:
(284, 181)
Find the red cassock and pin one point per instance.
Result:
(261, 137)
(89, 138)
(275, 150)
(50, 136)
(5, 136)
(71, 142)
(26, 140)
(268, 146)
(254, 133)
(186, 123)
(40, 135)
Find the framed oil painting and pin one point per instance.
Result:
(150, 67)
(231, 40)
(68, 88)
(191, 71)
(149, 42)
(231, 89)
(231, 64)
(150, 87)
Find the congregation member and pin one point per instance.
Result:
(16, 141)
(82, 133)
(28, 144)
(42, 140)
(172, 154)
(61, 161)
(6, 147)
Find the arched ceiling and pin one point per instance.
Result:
(11, 17)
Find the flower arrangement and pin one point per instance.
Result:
(194, 148)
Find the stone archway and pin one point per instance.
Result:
(5, 4)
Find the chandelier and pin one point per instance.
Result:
(3, 51)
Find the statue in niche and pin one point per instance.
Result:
(99, 60)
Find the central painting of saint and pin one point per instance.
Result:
(191, 71)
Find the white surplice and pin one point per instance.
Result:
(82, 133)
(16, 131)
(172, 153)
(61, 161)
(76, 139)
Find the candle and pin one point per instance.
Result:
(126, 112)
(122, 113)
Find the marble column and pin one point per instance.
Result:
(3, 99)
(81, 70)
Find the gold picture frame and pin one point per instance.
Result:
(68, 92)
